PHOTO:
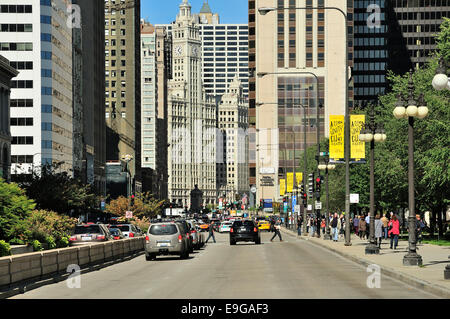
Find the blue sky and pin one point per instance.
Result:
(165, 11)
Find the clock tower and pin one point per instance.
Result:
(191, 116)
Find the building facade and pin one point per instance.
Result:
(285, 45)
(122, 85)
(89, 124)
(6, 74)
(232, 144)
(36, 39)
(191, 117)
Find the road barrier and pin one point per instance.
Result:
(18, 270)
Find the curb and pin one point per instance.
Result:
(413, 281)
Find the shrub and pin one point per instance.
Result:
(43, 224)
(62, 242)
(50, 242)
(37, 246)
(16, 241)
(5, 249)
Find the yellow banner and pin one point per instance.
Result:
(290, 182)
(282, 187)
(357, 150)
(337, 137)
(299, 178)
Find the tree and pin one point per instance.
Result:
(15, 208)
(144, 206)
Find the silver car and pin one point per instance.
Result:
(166, 238)
(197, 236)
(90, 233)
(128, 230)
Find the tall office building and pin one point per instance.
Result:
(224, 52)
(36, 39)
(89, 125)
(155, 73)
(400, 38)
(232, 144)
(283, 44)
(122, 93)
(191, 116)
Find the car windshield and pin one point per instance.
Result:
(123, 227)
(239, 223)
(166, 229)
(87, 229)
(114, 231)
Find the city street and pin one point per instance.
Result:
(293, 269)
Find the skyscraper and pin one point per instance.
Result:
(36, 39)
(122, 93)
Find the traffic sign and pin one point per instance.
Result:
(318, 205)
(129, 214)
(354, 198)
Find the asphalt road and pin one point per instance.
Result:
(293, 269)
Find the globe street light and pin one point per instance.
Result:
(411, 111)
(372, 132)
(264, 11)
(441, 80)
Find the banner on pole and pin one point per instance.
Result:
(282, 187)
(290, 182)
(299, 178)
(336, 146)
(357, 150)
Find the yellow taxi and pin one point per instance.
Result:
(264, 225)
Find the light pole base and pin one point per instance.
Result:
(447, 272)
(372, 249)
(326, 237)
(412, 259)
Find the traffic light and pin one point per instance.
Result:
(302, 189)
(305, 198)
(132, 200)
(318, 183)
(311, 184)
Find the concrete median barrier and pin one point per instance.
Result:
(25, 269)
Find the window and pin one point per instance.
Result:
(21, 121)
(21, 103)
(22, 140)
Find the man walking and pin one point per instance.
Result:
(211, 232)
(385, 221)
(276, 230)
(334, 227)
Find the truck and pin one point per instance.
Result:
(175, 212)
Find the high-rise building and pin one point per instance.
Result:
(396, 35)
(284, 44)
(7, 72)
(155, 73)
(36, 38)
(89, 124)
(207, 16)
(122, 82)
(191, 116)
(232, 144)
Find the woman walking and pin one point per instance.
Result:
(394, 230)
(362, 227)
(378, 230)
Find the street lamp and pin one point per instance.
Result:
(372, 133)
(264, 11)
(127, 159)
(441, 80)
(327, 167)
(411, 258)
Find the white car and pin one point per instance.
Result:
(225, 227)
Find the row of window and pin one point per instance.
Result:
(374, 78)
(14, 8)
(21, 84)
(222, 27)
(113, 42)
(21, 103)
(370, 91)
(22, 65)
(14, 27)
(22, 140)
(14, 46)
(21, 159)
(21, 121)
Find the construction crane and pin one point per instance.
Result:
(119, 6)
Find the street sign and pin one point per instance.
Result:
(297, 209)
(102, 205)
(310, 207)
(129, 214)
(354, 198)
(318, 205)
(294, 201)
(253, 189)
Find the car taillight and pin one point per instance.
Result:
(231, 230)
(179, 238)
(255, 229)
(101, 237)
(193, 231)
(147, 239)
(116, 237)
(131, 235)
(73, 238)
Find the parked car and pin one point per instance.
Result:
(244, 230)
(197, 236)
(187, 230)
(128, 230)
(225, 227)
(89, 233)
(166, 238)
(116, 233)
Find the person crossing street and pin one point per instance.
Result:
(211, 233)
(276, 230)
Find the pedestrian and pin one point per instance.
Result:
(277, 228)
(378, 230)
(323, 225)
(334, 227)
(211, 232)
(299, 225)
(420, 225)
(342, 226)
(362, 227)
(356, 224)
(367, 226)
(385, 221)
(394, 230)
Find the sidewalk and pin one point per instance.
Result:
(429, 277)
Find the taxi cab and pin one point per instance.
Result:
(264, 225)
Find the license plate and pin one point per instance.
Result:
(163, 245)
(86, 238)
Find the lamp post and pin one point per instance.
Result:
(372, 133)
(400, 112)
(127, 159)
(327, 167)
(264, 11)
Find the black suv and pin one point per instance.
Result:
(244, 230)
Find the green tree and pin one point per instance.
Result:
(15, 208)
